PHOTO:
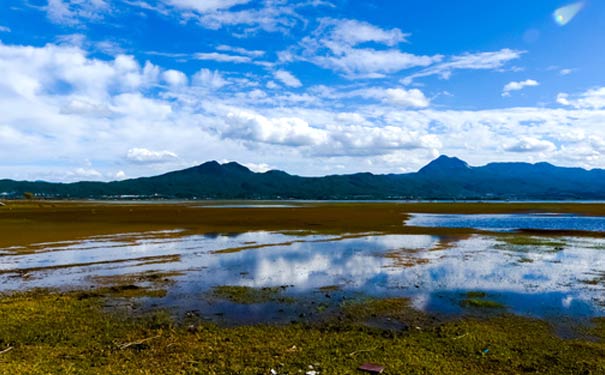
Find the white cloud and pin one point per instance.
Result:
(258, 167)
(206, 6)
(66, 70)
(338, 45)
(528, 144)
(565, 72)
(468, 61)
(407, 98)
(412, 98)
(240, 51)
(175, 78)
(85, 173)
(143, 155)
(272, 85)
(208, 78)
(60, 106)
(353, 32)
(222, 57)
(289, 131)
(5, 29)
(245, 16)
(592, 99)
(287, 78)
(72, 12)
(120, 175)
(515, 86)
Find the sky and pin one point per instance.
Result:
(114, 89)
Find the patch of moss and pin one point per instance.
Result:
(248, 295)
(481, 303)
(122, 291)
(476, 294)
(534, 241)
(153, 277)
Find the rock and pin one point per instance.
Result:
(371, 368)
(2, 204)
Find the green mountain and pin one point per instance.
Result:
(443, 178)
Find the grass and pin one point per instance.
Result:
(51, 333)
(477, 299)
(247, 295)
(522, 240)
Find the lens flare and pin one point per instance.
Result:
(565, 14)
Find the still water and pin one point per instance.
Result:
(510, 222)
(548, 278)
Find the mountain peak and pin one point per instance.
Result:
(444, 163)
(214, 167)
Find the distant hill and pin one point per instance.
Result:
(443, 178)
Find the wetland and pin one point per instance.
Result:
(251, 287)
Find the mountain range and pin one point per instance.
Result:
(446, 178)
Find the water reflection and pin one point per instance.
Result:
(530, 280)
(510, 222)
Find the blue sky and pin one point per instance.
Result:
(111, 89)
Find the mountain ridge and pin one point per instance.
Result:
(443, 178)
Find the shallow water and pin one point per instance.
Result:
(435, 273)
(510, 222)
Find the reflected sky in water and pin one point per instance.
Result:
(509, 222)
(435, 273)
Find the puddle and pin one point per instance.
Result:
(510, 222)
(321, 271)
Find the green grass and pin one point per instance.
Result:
(479, 300)
(54, 333)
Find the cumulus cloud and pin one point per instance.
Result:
(209, 78)
(412, 98)
(591, 99)
(287, 78)
(175, 78)
(407, 98)
(145, 156)
(60, 70)
(468, 61)
(515, 86)
(529, 144)
(91, 107)
(258, 167)
(289, 131)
